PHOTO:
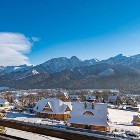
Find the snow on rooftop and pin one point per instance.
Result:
(3, 101)
(97, 117)
(89, 97)
(57, 106)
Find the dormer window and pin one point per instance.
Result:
(67, 109)
(47, 105)
(47, 109)
(88, 113)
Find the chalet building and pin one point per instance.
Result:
(112, 99)
(89, 116)
(136, 120)
(4, 103)
(98, 99)
(131, 101)
(74, 98)
(89, 98)
(4, 107)
(53, 108)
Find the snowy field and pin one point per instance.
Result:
(25, 117)
(121, 119)
(28, 135)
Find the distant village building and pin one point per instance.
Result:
(99, 99)
(89, 116)
(74, 97)
(112, 99)
(4, 103)
(89, 98)
(4, 106)
(53, 108)
(136, 120)
(131, 101)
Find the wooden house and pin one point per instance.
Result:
(53, 108)
(131, 101)
(136, 120)
(89, 116)
(4, 103)
(90, 98)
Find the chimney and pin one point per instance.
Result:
(92, 105)
(85, 105)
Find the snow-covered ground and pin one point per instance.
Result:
(121, 119)
(28, 135)
(25, 117)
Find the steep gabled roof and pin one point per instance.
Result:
(3, 101)
(97, 115)
(57, 106)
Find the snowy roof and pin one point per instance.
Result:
(89, 97)
(112, 97)
(73, 97)
(96, 117)
(57, 106)
(3, 101)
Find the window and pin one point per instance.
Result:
(67, 109)
(47, 109)
(47, 105)
(88, 113)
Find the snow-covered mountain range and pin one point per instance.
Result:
(51, 66)
(72, 72)
(9, 69)
(62, 63)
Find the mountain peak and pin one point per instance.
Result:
(74, 58)
(120, 56)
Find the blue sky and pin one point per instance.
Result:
(54, 28)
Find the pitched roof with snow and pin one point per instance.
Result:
(89, 114)
(3, 101)
(112, 98)
(53, 106)
(89, 97)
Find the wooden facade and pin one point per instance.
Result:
(100, 128)
(53, 116)
(136, 124)
(132, 102)
(136, 120)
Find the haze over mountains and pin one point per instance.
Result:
(120, 72)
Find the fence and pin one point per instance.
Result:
(67, 133)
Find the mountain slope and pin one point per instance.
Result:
(120, 72)
(82, 77)
(10, 69)
(62, 63)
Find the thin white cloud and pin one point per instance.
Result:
(13, 47)
(35, 39)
